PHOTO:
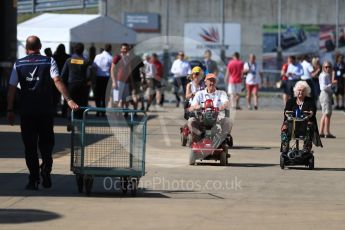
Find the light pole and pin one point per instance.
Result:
(222, 49)
(337, 24)
(279, 46)
(166, 45)
(104, 8)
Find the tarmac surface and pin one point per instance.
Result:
(252, 192)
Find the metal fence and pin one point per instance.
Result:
(32, 6)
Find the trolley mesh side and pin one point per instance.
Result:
(109, 145)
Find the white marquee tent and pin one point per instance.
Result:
(54, 29)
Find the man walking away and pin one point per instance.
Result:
(103, 63)
(158, 79)
(77, 78)
(233, 76)
(35, 73)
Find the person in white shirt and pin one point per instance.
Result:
(102, 62)
(308, 69)
(150, 74)
(220, 100)
(294, 73)
(326, 99)
(253, 80)
(180, 68)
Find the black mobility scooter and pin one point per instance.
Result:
(297, 124)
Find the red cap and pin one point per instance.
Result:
(210, 76)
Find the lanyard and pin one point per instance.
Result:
(300, 106)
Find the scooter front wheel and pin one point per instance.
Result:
(282, 162)
(311, 163)
(184, 140)
(224, 156)
(192, 157)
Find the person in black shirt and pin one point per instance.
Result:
(76, 76)
(48, 52)
(209, 65)
(60, 56)
(338, 75)
(135, 64)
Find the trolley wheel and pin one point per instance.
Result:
(184, 140)
(192, 158)
(311, 163)
(282, 162)
(80, 182)
(124, 184)
(134, 186)
(224, 156)
(88, 182)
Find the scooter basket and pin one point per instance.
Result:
(210, 118)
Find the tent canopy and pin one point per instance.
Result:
(72, 28)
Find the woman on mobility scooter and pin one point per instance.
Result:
(191, 89)
(210, 128)
(194, 86)
(299, 124)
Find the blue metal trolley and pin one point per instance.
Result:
(110, 146)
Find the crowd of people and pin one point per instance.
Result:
(138, 80)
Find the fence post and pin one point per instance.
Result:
(33, 4)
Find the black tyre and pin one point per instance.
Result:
(311, 163)
(224, 156)
(192, 158)
(134, 186)
(231, 141)
(124, 184)
(183, 140)
(80, 182)
(88, 182)
(282, 162)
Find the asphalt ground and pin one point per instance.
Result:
(251, 192)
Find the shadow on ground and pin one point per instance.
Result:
(19, 216)
(251, 147)
(318, 169)
(13, 185)
(250, 165)
(13, 147)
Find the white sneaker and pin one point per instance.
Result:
(159, 108)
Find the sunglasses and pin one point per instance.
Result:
(327, 66)
(197, 74)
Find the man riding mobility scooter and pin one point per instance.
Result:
(210, 124)
(197, 83)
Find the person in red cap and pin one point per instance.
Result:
(220, 100)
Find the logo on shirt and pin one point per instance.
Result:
(77, 61)
(32, 76)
